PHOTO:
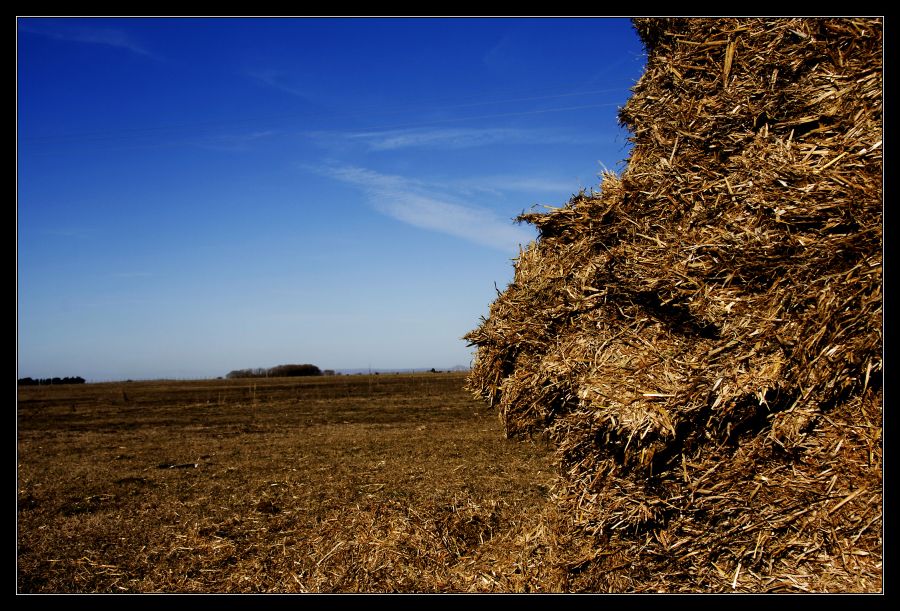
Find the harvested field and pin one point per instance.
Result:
(702, 339)
(336, 484)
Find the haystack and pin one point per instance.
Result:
(702, 338)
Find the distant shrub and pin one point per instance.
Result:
(242, 373)
(287, 371)
(49, 381)
(280, 371)
(247, 373)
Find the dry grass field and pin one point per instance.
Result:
(374, 483)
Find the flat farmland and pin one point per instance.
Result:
(366, 483)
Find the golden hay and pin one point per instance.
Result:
(702, 339)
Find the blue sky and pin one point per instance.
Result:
(201, 195)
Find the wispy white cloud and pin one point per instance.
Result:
(415, 203)
(71, 32)
(502, 55)
(497, 185)
(370, 179)
(236, 142)
(438, 138)
(446, 138)
(277, 79)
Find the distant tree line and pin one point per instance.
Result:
(48, 381)
(281, 371)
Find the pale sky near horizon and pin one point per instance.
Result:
(201, 195)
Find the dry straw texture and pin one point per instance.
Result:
(702, 339)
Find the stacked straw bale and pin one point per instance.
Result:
(702, 338)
